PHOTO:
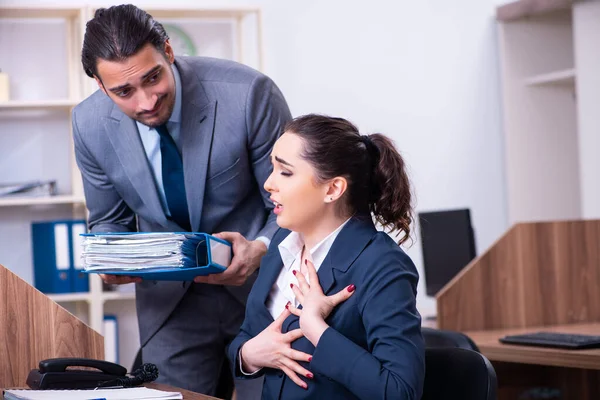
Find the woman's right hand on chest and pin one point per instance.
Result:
(272, 349)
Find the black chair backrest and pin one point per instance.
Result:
(454, 373)
(440, 338)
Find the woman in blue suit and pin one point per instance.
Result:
(332, 314)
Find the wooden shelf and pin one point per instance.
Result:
(564, 77)
(86, 296)
(37, 104)
(42, 200)
(70, 297)
(46, 12)
(209, 13)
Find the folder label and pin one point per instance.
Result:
(61, 238)
(220, 252)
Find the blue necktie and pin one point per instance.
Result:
(172, 177)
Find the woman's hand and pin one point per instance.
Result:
(273, 349)
(316, 307)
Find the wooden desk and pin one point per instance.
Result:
(187, 395)
(488, 344)
(576, 373)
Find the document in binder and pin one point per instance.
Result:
(157, 255)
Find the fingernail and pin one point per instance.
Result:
(294, 272)
(351, 288)
(287, 305)
(292, 285)
(305, 387)
(309, 359)
(309, 376)
(306, 261)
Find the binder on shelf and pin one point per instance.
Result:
(53, 257)
(156, 255)
(111, 339)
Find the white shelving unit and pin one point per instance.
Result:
(551, 90)
(46, 42)
(45, 200)
(38, 104)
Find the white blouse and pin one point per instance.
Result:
(290, 250)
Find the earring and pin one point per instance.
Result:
(331, 199)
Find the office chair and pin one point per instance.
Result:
(454, 373)
(435, 338)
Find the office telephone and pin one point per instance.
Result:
(60, 373)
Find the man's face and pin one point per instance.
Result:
(142, 86)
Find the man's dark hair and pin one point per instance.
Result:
(119, 32)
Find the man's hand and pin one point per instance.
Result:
(246, 259)
(120, 279)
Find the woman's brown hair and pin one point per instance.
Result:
(375, 171)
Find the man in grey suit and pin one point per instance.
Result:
(178, 144)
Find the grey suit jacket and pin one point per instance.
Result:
(231, 117)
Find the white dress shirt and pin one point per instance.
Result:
(290, 250)
(151, 141)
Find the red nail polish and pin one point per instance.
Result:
(309, 359)
(294, 272)
(351, 288)
(287, 305)
(309, 376)
(292, 285)
(306, 261)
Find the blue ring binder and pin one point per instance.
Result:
(174, 273)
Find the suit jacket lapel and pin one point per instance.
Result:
(272, 267)
(351, 241)
(125, 139)
(197, 129)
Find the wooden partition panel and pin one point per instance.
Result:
(545, 273)
(33, 328)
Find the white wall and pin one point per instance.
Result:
(587, 62)
(423, 72)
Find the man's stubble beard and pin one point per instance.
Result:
(162, 121)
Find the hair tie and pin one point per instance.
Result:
(373, 157)
(371, 148)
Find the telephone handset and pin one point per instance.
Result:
(55, 373)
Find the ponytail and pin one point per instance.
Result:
(390, 200)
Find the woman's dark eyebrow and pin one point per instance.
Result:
(282, 161)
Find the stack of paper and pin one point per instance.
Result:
(139, 393)
(155, 255)
(139, 251)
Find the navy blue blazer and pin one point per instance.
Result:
(373, 348)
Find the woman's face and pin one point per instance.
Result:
(300, 202)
